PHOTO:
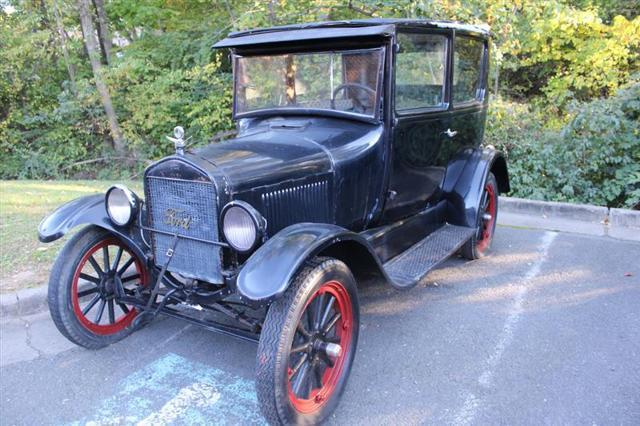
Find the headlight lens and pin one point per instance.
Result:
(241, 226)
(121, 204)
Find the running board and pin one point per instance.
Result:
(410, 266)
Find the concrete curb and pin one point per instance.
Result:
(23, 302)
(624, 223)
(565, 217)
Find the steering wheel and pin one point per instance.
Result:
(355, 100)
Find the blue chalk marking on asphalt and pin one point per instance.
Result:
(175, 390)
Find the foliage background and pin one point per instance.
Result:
(565, 85)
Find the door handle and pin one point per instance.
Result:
(451, 133)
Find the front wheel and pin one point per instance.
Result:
(83, 286)
(307, 345)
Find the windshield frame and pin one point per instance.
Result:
(278, 111)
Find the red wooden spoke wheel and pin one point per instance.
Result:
(307, 345)
(479, 244)
(488, 218)
(92, 273)
(105, 267)
(321, 344)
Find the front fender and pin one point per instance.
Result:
(270, 270)
(87, 210)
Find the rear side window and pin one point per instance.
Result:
(420, 71)
(467, 69)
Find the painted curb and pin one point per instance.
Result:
(621, 224)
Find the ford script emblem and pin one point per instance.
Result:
(177, 218)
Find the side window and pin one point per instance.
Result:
(467, 69)
(420, 71)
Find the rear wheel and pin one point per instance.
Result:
(478, 246)
(307, 345)
(83, 287)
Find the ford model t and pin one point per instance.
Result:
(358, 153)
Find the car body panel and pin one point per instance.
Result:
(417, 170)
(269, 156)
(284, 254)
(87, 210)
(464, 182)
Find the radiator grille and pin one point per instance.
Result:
(188, 208)
(297, 203)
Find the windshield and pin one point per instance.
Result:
(345, 81)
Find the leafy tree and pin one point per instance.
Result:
(565, 73)
(579, 57)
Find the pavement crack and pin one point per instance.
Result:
(30, 345)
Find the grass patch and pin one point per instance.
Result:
(25, 261)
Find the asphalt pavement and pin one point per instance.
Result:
(544, 331)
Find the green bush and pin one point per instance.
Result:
(199, 99)
(594, 158)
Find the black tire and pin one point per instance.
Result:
(279, 402)
(64, 297)
(480, 244)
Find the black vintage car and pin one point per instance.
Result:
(358, 154)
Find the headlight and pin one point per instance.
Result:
(242, 226)
(121, 204)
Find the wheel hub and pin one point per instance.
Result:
(97, 286)
(318, 345)
(109, 284)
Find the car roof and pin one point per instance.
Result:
(339, 29)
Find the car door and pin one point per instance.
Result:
(421, 121)
(468, 93)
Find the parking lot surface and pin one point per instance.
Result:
(544, 331)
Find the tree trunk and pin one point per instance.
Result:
(230, 11)
(65, 50)
(290, 78)
(44, 19)
(103, 31)
(45, 24)
(94, 57)
(496, 80)
(273, 5)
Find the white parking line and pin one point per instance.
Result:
(470, 407)
(197, 395)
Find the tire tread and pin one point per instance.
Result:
(278, 324)
(58, 298)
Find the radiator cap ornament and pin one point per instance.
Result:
(178, 139)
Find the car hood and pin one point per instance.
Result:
(279, 150)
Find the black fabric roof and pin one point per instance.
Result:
(336, 29)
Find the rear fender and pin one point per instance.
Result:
(270, 270)
(465, 180)
(87, 210)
